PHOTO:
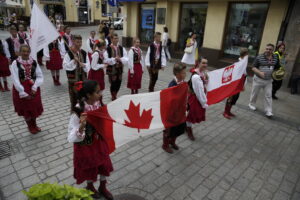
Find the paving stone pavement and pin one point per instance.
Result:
(247, 158)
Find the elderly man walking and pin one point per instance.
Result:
(263, 67)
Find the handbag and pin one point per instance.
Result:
(278, 74)
(189, 50)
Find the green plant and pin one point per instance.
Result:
(47, 191)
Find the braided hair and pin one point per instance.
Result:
(88, 87)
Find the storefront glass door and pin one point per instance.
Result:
(193, 17)
(244, 28)
(147, 27)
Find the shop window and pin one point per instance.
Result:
(245, 27)
(147, 27)
(193, 17)
(161, 15)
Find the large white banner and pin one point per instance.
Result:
(42, 31)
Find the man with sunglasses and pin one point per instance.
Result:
(263, 67)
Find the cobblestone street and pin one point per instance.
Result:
(249, 157)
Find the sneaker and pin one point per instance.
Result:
(252, 107)
(269, 114)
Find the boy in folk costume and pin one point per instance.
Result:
(4, 67)
(91, 153)
(54, 57)
(233, 99)
(27, 78)
(13, 44)
(90, 42)
(197, 101)
(76, 63)
(23, 35)
(170, 135)
(98, 66)
(155, 60)
(116, 58)
(135, 66)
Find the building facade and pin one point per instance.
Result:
(222, 26)
(74, 11)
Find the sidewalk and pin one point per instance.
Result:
(248, 157)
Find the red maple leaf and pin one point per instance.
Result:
(136, 120)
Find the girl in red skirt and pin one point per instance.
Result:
(27, 78)
(96, 72)
(197, 101)
(91, 155)
(53, 55)
(90, 44)
(136, 66)
(4, 68)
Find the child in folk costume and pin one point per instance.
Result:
(233, 99)
(90, 44)
(4, 67)
(110, 37)
(135, 66)
(190, 58)
(27, 78)
(68, 37)
(91, 153)
(13, 44)
(197, 101)
(116, 57)
(155, 60)
(98, 66)
(76, 63)
(54, 56)
(170, 135)
(23, 35)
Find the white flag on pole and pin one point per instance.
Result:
(42, 31)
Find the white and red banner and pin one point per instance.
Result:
(226, 82)
(42, 31)
(133, 116)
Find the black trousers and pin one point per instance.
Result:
(276, 86)
(153, 74)
(233, 99)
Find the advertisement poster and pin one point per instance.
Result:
(148, 18)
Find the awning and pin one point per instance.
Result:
(12, 4)
(115, 2)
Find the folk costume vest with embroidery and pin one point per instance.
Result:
(137, 55)
(118, 67)
(11, 48)
(22, 72)
(152, 56)
(78, 74)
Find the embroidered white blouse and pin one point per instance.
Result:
(112, 61)
(71, 65)
(131, 60)
(16, 80)
(74, 123)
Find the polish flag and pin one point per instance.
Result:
(133, 116)
(226, 82)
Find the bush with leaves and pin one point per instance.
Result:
(47, 191)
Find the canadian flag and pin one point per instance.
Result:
(226, 82)
(133, 116)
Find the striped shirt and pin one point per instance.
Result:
(266, 65)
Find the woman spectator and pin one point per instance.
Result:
(190, 56)
(165, 43)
